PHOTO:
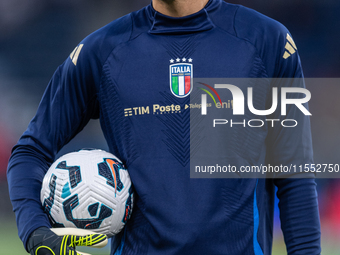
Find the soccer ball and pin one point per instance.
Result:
(88, 189)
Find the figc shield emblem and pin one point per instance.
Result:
(181, 79)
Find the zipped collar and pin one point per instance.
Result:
(197, 22)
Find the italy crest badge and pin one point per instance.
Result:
(181, 81)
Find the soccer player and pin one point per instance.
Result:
(125, 66)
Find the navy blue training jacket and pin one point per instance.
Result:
(126, 65)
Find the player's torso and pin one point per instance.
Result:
(148, 121)
(145, 100)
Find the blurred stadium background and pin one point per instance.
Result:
(38, 35)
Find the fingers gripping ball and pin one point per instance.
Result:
(43, 241)
(88, 189)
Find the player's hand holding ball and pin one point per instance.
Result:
(88, 197)
(44, 241)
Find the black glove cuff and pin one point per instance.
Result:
(39, 236)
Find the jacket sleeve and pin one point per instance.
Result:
(292, 147)
(68, 103)
(287, 146)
